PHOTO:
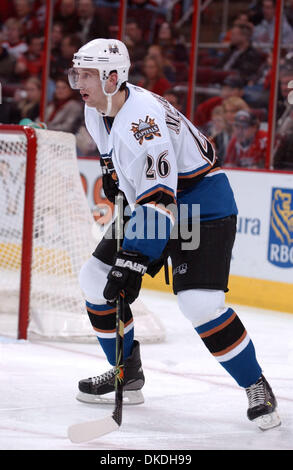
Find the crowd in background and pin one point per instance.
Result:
(233, 74)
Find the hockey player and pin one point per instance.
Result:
(162, 164)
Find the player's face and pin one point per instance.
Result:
(89, 84)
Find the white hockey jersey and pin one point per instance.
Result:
(158, 155)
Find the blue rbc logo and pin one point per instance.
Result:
(280, 251)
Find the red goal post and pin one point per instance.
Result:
(27, 232)
(45, 232)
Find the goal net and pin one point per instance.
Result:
(46, 234)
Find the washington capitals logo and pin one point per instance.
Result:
(114, 49)
(146, 129)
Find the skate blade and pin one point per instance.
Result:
(130, 397)
(268, 421)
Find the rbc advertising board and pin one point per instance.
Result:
(264, 242)
(280, 246)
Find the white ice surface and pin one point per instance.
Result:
(190, 401)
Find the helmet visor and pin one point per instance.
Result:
(82, 78)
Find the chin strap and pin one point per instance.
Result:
(109, 98)
(109, 106)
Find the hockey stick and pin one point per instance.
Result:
(86, 431)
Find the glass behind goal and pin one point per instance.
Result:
(46, 234)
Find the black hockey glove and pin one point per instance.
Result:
(110, 187)
(126, 275)
(109, 178)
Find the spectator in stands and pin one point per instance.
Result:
(91, 25)
(69, 45)
(230, 106)
(289, 12)
(134, 40)
(176, 99)
(31, 62)
(285, 109)
(148, 14)
(258, 89)
(26, 17)
(241, 18)
(241, 57)
(7, 10)
(7, 69)
(158, 53)
(255, 11)
(154, 79)
(12, 33)
(7, 62)
(40, 13)
(167, 38)
(232, 86)
(8, 113)
(283, 158)
(64, 112)
(152, 5)
(264, 32)
(247, 148)
(67, 15)
(28, 100)
(137, 47)
(217, 122)
(56, 39)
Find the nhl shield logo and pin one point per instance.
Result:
(280, 250)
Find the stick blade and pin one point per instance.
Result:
(89, 430)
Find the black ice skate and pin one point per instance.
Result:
(262, 405)
(101, 389)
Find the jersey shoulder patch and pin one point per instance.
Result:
(145, 129)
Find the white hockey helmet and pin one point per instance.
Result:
(104, 55)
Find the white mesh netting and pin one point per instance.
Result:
(62, 240)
